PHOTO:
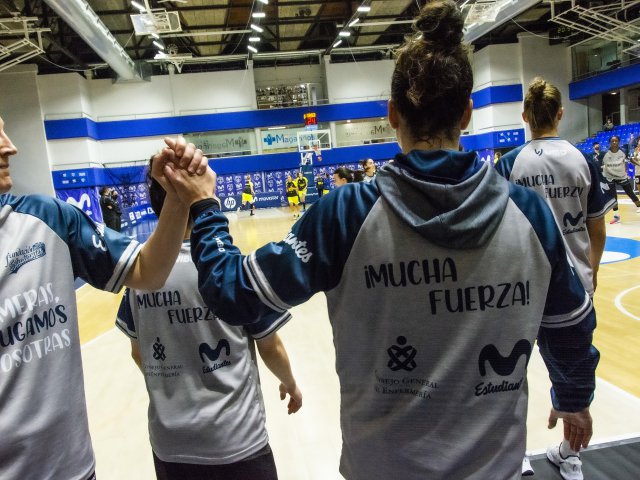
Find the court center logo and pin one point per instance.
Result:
(22, 256)
(401, 356)
(158, 350)
(503, 366)
(213, 354)
(230, 203)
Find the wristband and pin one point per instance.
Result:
(202, 205)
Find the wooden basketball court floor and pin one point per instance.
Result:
(307, 445)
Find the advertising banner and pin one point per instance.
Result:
(86, 199)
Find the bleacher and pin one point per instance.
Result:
(627, 134)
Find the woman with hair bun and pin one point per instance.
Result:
(433, 321)
(571, 185)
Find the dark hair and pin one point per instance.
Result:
(364, 161)
(433, 79)
(103, 190)
(614, 136)
(157, 194)
(344, 173)
(596, 143)
(541, 104)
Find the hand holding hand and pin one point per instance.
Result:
(295, 397)
(578, 427)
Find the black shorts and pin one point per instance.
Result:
(259, 466)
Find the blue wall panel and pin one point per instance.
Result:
(605, 82)
(497, 94)
(78, 128)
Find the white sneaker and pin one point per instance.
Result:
(616, 219)
(570, 467)
(638, 210)
(527, 469)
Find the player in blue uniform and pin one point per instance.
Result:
(45, 244)
(206, 414)
(432, 323)
(572, 186)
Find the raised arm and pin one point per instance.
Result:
(275, 357)
(159, 253)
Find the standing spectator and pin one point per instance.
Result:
(431, 356)
(614, 168)
(106, 205)
(571, 185)
(47, 244)
(209, 420)
(608, 125)
(117, 211)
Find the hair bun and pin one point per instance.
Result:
(537, 87)
(441, 22)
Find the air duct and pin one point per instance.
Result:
(80, 16)
(509, 9)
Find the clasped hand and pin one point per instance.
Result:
(183, 170)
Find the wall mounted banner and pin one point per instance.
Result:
(86, 199)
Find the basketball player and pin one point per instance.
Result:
(369, 170)
(342, 176)
(45, 244)
(614, 168)
(432, 323)
(301, 184)
(572, 186)
(320, 184)
(208, 421)
(248, 194)
(292, 197)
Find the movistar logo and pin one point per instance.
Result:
(568, 218)
(503, 366)
(214, 353)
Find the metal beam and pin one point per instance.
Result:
(79, 16)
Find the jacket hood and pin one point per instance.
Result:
(451, 198)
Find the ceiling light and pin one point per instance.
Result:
(254, 39)
(337, 43)
(252, 49)
(266, 2)
(344, 33)
(364, 8)
(159, 45)
(155, 35)
(257, 28)
(258, 14)
(354, 22)
(135, 4)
